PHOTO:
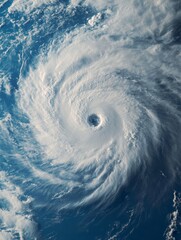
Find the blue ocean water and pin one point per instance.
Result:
(90, 120)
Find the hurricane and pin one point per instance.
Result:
(90, 119)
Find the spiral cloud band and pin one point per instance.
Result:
(97, 105)
(95, 72)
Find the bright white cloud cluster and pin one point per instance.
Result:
(106, 71)
(13, 219)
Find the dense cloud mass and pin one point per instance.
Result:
(91, 93)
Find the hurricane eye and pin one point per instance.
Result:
(93, 120)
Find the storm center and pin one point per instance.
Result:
(93, 120)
